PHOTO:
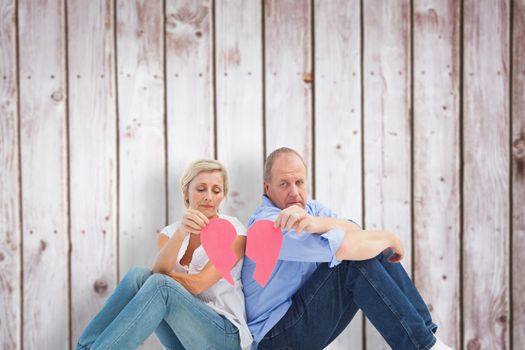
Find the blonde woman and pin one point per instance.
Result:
(184, 300)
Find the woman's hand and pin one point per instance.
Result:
(193, 221)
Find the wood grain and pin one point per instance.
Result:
(436, 180)
(142, 184)
(338, 132)
(43, 140)
(289, 78)
(239, 102)
(141, 130)
(387, 138)
(190, 106)
(10, 235)
(93, 157)
(486, 175)
(518, 174)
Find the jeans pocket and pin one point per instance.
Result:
(271, 343)
(229, 328)
(262, 347)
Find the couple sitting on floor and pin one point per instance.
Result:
(328, 268)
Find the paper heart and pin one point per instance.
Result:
(263, 247)
(217, 239)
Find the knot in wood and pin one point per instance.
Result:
(518, 149)
(43, 246)
(100, 286)
(57, 96)
(308, 78)
(473, 344)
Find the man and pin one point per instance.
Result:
(328, 268)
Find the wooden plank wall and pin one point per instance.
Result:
(410, 115)
(338, 104)
(436, 157)
(518, 171)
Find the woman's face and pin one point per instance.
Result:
(206, 192)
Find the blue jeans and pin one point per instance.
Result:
(323, 307)
(144, 303)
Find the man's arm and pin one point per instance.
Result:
(357, 244)
(365, 244)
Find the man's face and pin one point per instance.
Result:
(288, 184)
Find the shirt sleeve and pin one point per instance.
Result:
(170, 229)
(325, 212)
(312, 247)
(307, 247)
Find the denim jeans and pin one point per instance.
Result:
(144, 303)
(329, 299)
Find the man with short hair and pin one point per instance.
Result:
(328, 268)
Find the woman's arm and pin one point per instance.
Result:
(209, 275)
(168, 250)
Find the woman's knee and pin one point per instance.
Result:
(137, 275)
(164, 282)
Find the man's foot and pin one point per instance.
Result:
(439, 345)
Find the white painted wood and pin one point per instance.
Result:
(437, 229)
(43, 140)
(338, 161)
(10, 235)
(518, 174)
(142, 195)
(486, 175)
(288, 78)
(93, 157)
(386, 79)
(189, 76)
(141, 130)
(239, 102)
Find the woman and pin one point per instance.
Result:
(185, 301)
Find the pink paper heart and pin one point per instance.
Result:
(217, 240)
(263, 247)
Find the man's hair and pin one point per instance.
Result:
(268, 164)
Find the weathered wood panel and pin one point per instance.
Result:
(486, 175)
(190, 106)
(43, 140)
(288, 77)
(518, 174)
(10, 235)
(338, 132)
(239, 101)
(93, 157)
(142, 195)
(436, 162)
(387, 163)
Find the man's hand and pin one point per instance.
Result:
(290, 217)
(297, 219)
(398, 251)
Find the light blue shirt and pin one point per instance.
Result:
(299, 257)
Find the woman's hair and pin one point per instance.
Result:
(197, 167)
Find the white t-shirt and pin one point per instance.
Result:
(225, 299)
